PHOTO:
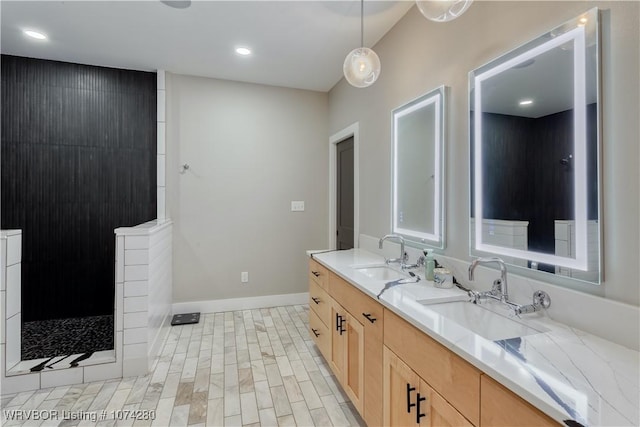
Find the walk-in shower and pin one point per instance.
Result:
(78, 161)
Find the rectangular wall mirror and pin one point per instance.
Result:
(417, 156)
(535, 149)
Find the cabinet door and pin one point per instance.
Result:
(501, 407)
(373, 366)
(434, 411)
(454, 378)
(338, 339)
(400, 387)
(353, 381)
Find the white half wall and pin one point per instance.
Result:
(144, 288)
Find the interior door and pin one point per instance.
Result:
(344, 184)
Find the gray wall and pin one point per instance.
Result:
(252, 149)
(418, 55)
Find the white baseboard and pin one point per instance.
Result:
(232, 304)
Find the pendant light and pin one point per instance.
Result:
(443, 10)
(361, 66)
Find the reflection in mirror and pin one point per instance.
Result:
(418, 144)
(534, 133)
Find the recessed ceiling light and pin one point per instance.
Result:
(35, 34)
(525, 102)
(244, 51)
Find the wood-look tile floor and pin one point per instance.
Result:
(241, 368)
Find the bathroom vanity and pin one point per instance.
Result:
(403, 360)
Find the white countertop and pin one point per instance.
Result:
(566, 373)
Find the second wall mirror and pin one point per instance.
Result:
(417, 170)
(534, 129)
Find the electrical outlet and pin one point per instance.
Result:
(244, 276)
(297, 206)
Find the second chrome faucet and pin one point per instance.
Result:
(499, 290)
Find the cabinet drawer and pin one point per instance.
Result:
(367, 310)
(320, 302)
(501, 407)
(319, 332)
(318, 273)
(451, 376)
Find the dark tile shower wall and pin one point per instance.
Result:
(78, 159)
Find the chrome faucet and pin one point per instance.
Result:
(499, 291)
(403, 255)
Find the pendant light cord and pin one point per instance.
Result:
(361, 23)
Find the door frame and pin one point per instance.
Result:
(350, 131)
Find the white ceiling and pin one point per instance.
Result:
(300, 44)
(548, 81)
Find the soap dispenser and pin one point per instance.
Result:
(429, 264)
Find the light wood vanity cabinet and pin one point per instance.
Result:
(353, 323)
(454, 378)
(363, 377)
(409, 401)
(383, 363)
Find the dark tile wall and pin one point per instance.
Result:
(524, 179)
(78, 147)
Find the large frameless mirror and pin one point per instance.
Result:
(418, 147)
(534, 148)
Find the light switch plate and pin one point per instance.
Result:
(297, 206)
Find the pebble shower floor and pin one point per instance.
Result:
(242, 368)
(61, 337)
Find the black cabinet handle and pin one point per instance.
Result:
(315, 332)
(315, 273)
(339, 322)
(316, 300)
(409, 404)
(369, 318)
(418, 414)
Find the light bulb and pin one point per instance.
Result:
(361, 67)
(35, 34)
(443, 10)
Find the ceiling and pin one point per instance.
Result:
(299, 44)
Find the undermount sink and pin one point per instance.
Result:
(381, 272)
(482, 321)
